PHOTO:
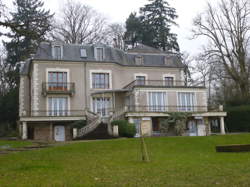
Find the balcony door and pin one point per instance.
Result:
(157, 101)
(58, 106)
(57, 81)
(102, 105)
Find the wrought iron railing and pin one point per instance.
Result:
(163, 83)
(147, 108)
(54, 113)
(58, 88)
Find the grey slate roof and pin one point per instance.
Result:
(71, 52)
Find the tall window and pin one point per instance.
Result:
(140, 80)
(99, 54)
(57, 81)
(186, 101)
(58, 106)
(100, 80)
(168, 81)
(101, 105)
(57, 52)
(157, 101)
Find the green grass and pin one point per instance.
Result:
(175, 161)
(13, 144)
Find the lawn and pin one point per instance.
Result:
(175, 161)
(4, 144)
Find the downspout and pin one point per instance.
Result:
(85, 85)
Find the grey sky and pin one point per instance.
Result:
(119, 10)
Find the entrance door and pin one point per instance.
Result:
(192, 128)
(59, 132)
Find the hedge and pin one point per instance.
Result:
(238, 118)
(125, 128)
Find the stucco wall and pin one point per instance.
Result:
(121, 76)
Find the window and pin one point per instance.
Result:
(157, 101)
(186, 101)
(58, 106)
(99, 54)
(83, 53)
(100, 80)
(169, 81)
(57, 81)
(101, 105)
(57, 52)
(138, 60)
(140, 80)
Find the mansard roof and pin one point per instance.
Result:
(71, 52)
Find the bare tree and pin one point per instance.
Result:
(115, 35)
(227, 29)
(79, 24)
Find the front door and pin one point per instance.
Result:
(192, 128)
(59, 132)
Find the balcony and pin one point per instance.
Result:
(58, 88)
(54, 113)
(147, 108)
(163, 84)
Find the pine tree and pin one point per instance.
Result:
(155, 20)
(133, 30)
(158, 17)
(29, 25)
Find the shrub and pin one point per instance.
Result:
(125, 128)
(238, 118)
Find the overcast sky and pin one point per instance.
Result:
(119, 10)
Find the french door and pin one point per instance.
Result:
(157, 101)
(58, 106)
(57, 81)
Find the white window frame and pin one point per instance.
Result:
(141, 75)
(57, 96)
(141, 60)
(100, 71)
(178, 103)
(92, 103)
(157, 91)
(57, 70)
(53, 51)
(102, 51)
(169, 75)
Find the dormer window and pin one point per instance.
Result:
(139, 60)
(83, 53)
(57, 52)
(99, 53)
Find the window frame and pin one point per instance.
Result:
(186, 108)
(91, 72)
(54, 52)
(66, 112)
(140, 75)
(103, 53)
(158, 108)
(104, 110)
(168, 75)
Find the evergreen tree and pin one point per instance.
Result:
(28, 26)
(155, 21)
(133, 32)
(30, 23)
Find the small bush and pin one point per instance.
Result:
(125, 128)
(238, 118)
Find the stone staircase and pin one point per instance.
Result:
(93, 120)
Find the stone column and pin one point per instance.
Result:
(222, 125)
(24, 130)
